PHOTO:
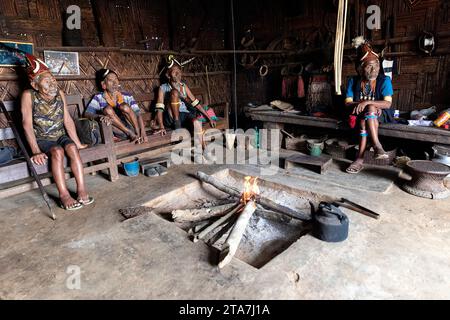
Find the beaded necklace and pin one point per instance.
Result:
(110, 101)
(367, 90)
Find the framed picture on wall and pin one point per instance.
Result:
(62, 63)
(11, 59)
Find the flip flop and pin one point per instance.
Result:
(151, 172)
(161, 170)
(354, 168)
(77, 206)
(86, 202)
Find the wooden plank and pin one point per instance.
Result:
(6, 133)
(419, 65)
(428, 134)
(123, 147)
(270, 116)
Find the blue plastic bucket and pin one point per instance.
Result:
(131, 168)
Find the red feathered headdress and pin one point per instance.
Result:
(365, 52)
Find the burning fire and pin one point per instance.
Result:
(251, 189)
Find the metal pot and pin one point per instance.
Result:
(441, 155)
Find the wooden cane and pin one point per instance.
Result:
(28, 159)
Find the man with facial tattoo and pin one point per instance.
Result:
(369, 96)
(51, 133)
(116, 108)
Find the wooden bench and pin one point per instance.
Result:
(16, 178)
(147, 101)
(273, 119)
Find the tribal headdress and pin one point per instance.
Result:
(171, 61)
(101, 74)
(35, 67)
(365, 52)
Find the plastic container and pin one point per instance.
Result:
(131, 168)
(443, 118)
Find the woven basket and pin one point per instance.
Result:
(301, 143)
(338, 149)
(370, 154)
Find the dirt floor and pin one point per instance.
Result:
(403, 255)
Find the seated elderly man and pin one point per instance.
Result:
(370, 97)
(50, 132)
(118, 108)
(184, 109)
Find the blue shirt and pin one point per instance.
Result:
(383, 89)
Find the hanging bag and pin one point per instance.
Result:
(88, 131)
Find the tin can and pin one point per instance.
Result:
(397, 114)
(442, 119)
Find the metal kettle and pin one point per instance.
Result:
(330, 224)
(441, 155)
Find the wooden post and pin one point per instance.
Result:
(112, 158)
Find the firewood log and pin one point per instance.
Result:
(269, 204)
(217, 223)
(193, 215)
(232, 243)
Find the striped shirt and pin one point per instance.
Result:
(98, 103)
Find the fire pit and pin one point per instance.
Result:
(253, 226)
(427, 179)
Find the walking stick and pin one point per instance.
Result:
(27, 157)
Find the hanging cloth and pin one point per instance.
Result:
(300, 87)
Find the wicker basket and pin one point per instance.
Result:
(338, 149)
(301, 143)
(370, 154)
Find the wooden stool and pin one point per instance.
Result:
(319, 164)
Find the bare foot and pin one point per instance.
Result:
(69, 203)
(133, 137)
(83, 196)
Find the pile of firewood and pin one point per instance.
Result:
(234, 215)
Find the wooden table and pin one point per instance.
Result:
(274, 119)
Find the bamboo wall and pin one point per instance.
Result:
(420, 80)
(167, 25)
(173, 25)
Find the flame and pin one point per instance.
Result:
(251, 189)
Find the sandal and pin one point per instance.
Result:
(151, 172)
(354, 168)
(161, 170)
(76, 206)
(89, 200)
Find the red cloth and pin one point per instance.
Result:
(352, 121)
(300, 87)
(292, 87)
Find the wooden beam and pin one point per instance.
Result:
(104, 22)
(13, 77)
